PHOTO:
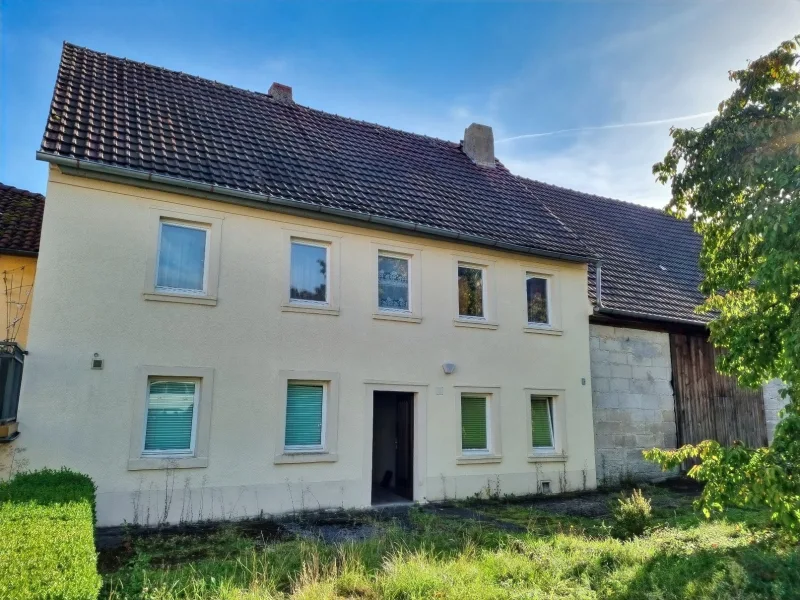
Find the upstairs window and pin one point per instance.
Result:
(182, 264)
(538, 300)
(393, 283)
(171, 416)
(471, 291)
(309, 280)
(542, 423)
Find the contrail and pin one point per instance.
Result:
(614, 126)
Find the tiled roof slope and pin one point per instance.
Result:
(649, 259)
(132, 115)
(20, 219)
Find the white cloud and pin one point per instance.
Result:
(677, 66)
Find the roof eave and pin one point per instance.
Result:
(263, 201)
(631, 314)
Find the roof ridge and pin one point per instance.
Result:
(15, 189)
(630, 203)
(237, 89)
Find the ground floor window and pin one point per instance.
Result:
(171, 416)
(305, 422)
(542, 423)
(474, 424)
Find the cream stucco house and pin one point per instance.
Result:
(245, 305)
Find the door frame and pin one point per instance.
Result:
(419, 471)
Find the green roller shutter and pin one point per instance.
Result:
(473, 423)
(170, 415)
(303, 415)
(541, 422)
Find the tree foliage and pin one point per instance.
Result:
(738, 180)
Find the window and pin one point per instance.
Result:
(393, 283)
(309, 272)
(471, 291)
(538, 300)
(182, 258)
(542, 423)
(305, 409)
(474, 424)
(171, 416)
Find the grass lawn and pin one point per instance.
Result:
(438, 555)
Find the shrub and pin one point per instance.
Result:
(631, 515)
(47, 537)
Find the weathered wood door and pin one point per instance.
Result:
(709, 405)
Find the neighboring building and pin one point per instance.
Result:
(247, 305)
(654, 382)
(20, 228)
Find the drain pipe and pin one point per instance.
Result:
(598, 285)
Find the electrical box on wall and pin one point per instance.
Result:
(97, 362)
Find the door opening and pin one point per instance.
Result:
(392, 447)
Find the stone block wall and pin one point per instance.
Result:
(633, 401)
(773, 403)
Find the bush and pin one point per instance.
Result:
(631, 515)
(47, 537)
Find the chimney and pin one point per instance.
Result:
(479, 144)
(281, 93)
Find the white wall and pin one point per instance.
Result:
(90, 280)
(773, 404)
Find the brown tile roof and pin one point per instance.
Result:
(650, 259)
(128, 114)
(20, 219)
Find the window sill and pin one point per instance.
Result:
(182, 298)
(478, 459)
(547, 457)
(289, 458)
(403, 317)
(310, 308)
(475, 323)
(166, 462)
(542, 330)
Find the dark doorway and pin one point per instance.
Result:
(392, 447)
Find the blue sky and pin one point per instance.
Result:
(616, 74)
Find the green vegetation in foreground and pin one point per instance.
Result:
(680, 556)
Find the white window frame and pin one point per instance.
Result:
(198, 383)
(413, 254)
(213, 227)
(330, 418)
(138, 459)
(493, 433)
(551, 422)
(396, 311)
(316, 244)
(186, 225)
(487, 268)
(312, 237)
(558, 401)
(548, 293)
(323, 420)
(478, 451)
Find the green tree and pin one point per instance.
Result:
(738, 180)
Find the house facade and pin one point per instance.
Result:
(213, 353)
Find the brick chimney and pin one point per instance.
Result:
(479, 144)
(281, 93)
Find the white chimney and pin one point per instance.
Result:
(281, 93)
(479, 144)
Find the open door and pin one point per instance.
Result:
(393, 447)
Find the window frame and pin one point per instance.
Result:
(489, 297)
(330, 417)
(488, 424)
(312, 244)
(213, 227)
(551, 423)
(323, 420)
(138, 459)
(195, 408)
(493, 430)
(396, 311)
(414, 256)
(549, 298)
(312, 238)
(559, 451)
(186, 225)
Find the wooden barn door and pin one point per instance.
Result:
(709, 405)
